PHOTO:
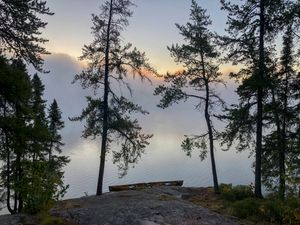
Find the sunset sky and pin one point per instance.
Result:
(152, 26)
(151, 29)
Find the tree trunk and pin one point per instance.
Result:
(282, 185)
(18, 200)
(105, 106)
(280, 148)
(282, 169)
(8, 205)
(18, 194)
(209, 127)
(8, 182)
(259, 118)
(211, 141)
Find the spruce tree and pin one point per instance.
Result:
(110, 61)
(198, 57)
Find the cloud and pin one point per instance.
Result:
(173, 122)
(70, 97)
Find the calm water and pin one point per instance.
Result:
(161, 162)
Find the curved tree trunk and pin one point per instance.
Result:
(211, 142)
(209, 127)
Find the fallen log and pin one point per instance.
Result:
(145, 185)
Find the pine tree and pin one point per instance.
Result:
(109, 61)
(55, 125)
(39, 122)
(283, 113)
(43, 173)
(252, 28)
(198, 57)
(15, 93)
(55, 163)
(20, 26)
(29, 180)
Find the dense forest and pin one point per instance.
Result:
(261, 38)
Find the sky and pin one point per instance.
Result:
(152, 26)
(151, 29)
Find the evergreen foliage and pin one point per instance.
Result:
(30, 179)
(199, 59)
(281, 145)
(20, 26)
(252, 27)
(110, 61)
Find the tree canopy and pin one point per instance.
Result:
(20, 29)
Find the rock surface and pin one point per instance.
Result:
(10, 220)
(153, 206)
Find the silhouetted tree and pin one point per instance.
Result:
(109, 61)
(282, 111)
(20, 29)
(252, 28)
(30, 181)
(15, 94)
(198, 57)
(39, 121)
(55, 125)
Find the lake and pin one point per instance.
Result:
(161, 162)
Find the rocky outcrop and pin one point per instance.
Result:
(10, 220)
(153, 206)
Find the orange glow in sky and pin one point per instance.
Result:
(151, 29)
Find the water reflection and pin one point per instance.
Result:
(164, 160)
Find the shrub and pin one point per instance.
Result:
(281, 212)
(246, 208)
(49, 220)
(272, 210)
(291, 213)
(239, 192)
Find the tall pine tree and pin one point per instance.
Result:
(15, 94)
(39, 121)
(280, 148)
(55, 125)
(109, 63)
(252, 28)
(201, 73)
